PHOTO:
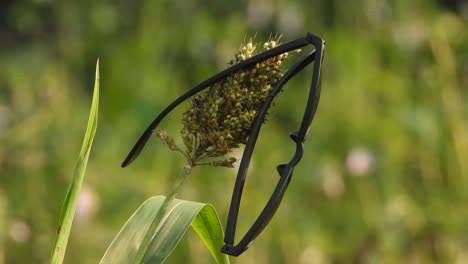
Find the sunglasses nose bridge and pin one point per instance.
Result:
(281, 168)
(294, 135)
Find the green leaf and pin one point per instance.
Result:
(180, 215)
(208, 227)
(71, 198)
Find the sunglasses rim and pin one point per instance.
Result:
(285, 170)
(298, 137)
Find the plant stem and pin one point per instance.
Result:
(160, 214)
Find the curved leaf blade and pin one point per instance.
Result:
(179, 217)
(209, 229)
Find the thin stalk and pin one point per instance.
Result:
(161, 213)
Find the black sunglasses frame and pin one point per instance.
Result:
(285, 170)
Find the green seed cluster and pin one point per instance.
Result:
(220, 118)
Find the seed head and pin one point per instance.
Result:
(220, 118)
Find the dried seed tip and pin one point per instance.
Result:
(166, 139)
(228, 163)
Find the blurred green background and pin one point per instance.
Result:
(385, 175)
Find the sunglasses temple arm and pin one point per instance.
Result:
(238, 188)
(314, 94)
(141, 142)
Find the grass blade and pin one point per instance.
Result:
(71, 199)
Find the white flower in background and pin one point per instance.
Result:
(462, 256)
(5, 118)
(360, 161)
(332, 182)
(259, 13)
(313, 255)
(290, 20)
(401, 209)
(87, 204)
(20, 231)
